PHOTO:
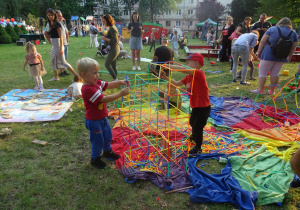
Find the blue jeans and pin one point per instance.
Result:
(243, 51)
(66, 52)
(100, 136)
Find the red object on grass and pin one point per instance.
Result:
(212, 63)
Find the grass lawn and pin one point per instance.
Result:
(59, 176)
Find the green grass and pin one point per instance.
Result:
(58, 176)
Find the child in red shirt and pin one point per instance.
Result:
(195, 83)
(96, 112)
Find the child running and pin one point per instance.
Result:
(96, 112)
(36, 65)
(199, 99)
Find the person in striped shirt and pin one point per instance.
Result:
(96, 112)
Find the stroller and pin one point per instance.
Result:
(101, 50)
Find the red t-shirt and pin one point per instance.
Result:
(92, 94)
(199, 97)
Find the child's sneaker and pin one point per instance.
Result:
(139, 68)
(98, 163)
(41, 89)
(234, 81)
(295, 183)
(111, 155)
(195, 150)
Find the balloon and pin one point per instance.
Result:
(105, 32)
(7, 20)
(212, 63)
(15, 23)
(12, 20)
(2, 20)
(4, 24)
(19, 24)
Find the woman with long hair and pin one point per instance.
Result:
(135, 27)
(55, 38)
(227, 30)
(113, 41)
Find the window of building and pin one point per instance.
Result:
(168, 12)
(177, 23)
(179, 12)
(192, 1)
(168, 23)
(157, 22)
(190, 11)
(105, 1)
(190, 23)
(125, 12)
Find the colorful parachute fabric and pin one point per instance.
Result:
(154, 145)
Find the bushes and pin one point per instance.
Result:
(23, 29)
(17, 30)
(14, 37)
(4, 37)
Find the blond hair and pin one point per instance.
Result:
(85, 64)
(28, 47)
(228, 17)
(285, 22)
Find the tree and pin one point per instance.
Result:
(209, 9)
(148, 9)
(243, 8)
(17, 30)
(129, 4)
(4, 37)
(23, 29)
(10, 31)
(188, 17)
(280, 9)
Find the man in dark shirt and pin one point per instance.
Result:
(261, 26)
(162, 55)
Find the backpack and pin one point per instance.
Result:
(94, 29)
(283, 45)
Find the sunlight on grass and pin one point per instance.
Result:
(58, 175)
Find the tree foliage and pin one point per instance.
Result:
(243, 8)
(128, 5)
(149, 9)
(4, 37)
(10, 31)
(280, 9)
(209, 9)
(17, 30)
(23, 29)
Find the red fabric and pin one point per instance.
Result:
(199, 97)
(120, 146)
(92, 94)
(252, 122)
(281, 115)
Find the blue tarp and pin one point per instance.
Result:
(74, 17)
(219, 188)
